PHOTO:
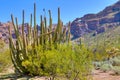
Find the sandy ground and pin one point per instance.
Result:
(97, 75)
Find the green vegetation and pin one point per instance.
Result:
(116, 64)
(104, 45)
(108, 39)
(106, 49)
(2, 44)
(5, 60)
(50, 52)
(61, 62)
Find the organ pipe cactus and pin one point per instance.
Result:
(50, 27)
(34, 31)
(45, 37)
(69, 32)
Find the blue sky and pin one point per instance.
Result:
(70, 9)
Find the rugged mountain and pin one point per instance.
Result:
(4, 34)
(98, 23)
(89, 23)
(4, 30)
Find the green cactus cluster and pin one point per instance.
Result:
(48, 51)
(47, 37)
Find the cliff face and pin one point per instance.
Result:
(107, 18)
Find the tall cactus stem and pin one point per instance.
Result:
(23, 37)
(69, 32)
(50, 27)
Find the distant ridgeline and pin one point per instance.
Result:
(97, 23)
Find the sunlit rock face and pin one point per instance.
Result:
(107, 18)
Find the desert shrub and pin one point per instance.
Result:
(106, 67)
(109, 64)
(99, 53)
(116, 61)
(97, 64)
(100, 56)
(104, 53)
(116, 64)
(5, 60)
(2, 44)
(112, 52)
(116, 69)
(72, 62)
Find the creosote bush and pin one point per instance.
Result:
(48, 52)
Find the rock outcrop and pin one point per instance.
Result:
(107, 18)
(4, 34)
(4, 30)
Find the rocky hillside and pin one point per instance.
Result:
(4, 34)
(98, 23)
(4, 30)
